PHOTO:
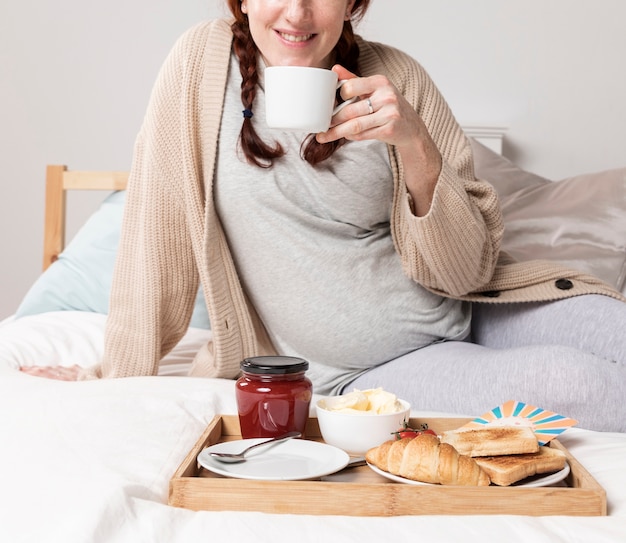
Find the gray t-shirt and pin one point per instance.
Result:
(314, 252)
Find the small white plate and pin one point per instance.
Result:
(293, 460)
(529, 482)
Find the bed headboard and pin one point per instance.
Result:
(491, 137)
(542, 218)
(58, 181)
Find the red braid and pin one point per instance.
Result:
(254, 148)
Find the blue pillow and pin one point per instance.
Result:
(80, 280)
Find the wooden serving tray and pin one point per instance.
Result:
(359, 491)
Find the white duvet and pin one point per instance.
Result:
(90, 461)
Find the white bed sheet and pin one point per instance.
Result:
(90, 461)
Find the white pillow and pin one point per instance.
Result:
(72, 337)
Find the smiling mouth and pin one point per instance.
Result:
(295, 39)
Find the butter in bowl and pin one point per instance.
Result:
(362, 419)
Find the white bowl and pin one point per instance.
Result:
(356, 433)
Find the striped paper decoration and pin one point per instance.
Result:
(546, 424)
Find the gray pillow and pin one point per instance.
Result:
(579, 221)
(505, 176)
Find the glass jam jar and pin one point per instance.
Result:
(273, 396)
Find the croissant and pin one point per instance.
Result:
(424, 458)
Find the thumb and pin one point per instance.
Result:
(342, 72)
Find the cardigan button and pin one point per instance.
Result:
(564, 284)
(491, 293)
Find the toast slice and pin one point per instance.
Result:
(492, 440)
(506, 470)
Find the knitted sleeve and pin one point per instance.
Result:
(454, 248)
(156, 280)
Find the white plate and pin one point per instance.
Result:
(293, 460)
(544, 480)
(535, 481)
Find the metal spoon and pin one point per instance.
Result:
(240, 456)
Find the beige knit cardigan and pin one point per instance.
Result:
(172, 239)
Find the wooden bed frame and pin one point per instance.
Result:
(58, 181)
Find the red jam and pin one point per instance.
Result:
(273, 396)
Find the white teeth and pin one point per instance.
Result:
(292, 38)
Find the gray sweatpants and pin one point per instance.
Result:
(567, 356)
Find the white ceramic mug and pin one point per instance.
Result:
(301, 98)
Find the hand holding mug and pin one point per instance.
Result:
(383, 113)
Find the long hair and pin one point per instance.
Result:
(257, 151)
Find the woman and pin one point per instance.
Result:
(362, 249)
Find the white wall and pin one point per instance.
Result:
(76, 75)
(552, 71)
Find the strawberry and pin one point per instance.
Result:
(409, 432)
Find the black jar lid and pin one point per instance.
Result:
(274, 365)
